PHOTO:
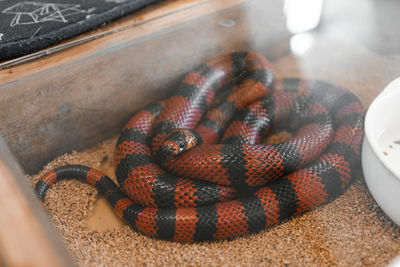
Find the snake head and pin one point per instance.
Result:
(179, 141)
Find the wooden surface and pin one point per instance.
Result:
(143, 23)
(165, 8)
(26, 237)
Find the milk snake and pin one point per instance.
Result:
(193, 166)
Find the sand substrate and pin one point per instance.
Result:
(350, 231)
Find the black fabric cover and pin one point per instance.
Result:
(27, 26)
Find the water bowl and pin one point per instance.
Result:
(381, 150)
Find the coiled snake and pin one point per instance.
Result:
(193, 166)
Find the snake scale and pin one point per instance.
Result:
(194, 165)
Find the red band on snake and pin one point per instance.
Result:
(193, 166)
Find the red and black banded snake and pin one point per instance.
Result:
(192, 166)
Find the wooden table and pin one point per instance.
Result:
(77, 93)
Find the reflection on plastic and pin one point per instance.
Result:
(302, 15)
(227, 23)
(300, 43)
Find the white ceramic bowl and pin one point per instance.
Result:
(381, 150)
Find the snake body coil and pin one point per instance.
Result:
(192, 166)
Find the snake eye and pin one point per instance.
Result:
(182, 148)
